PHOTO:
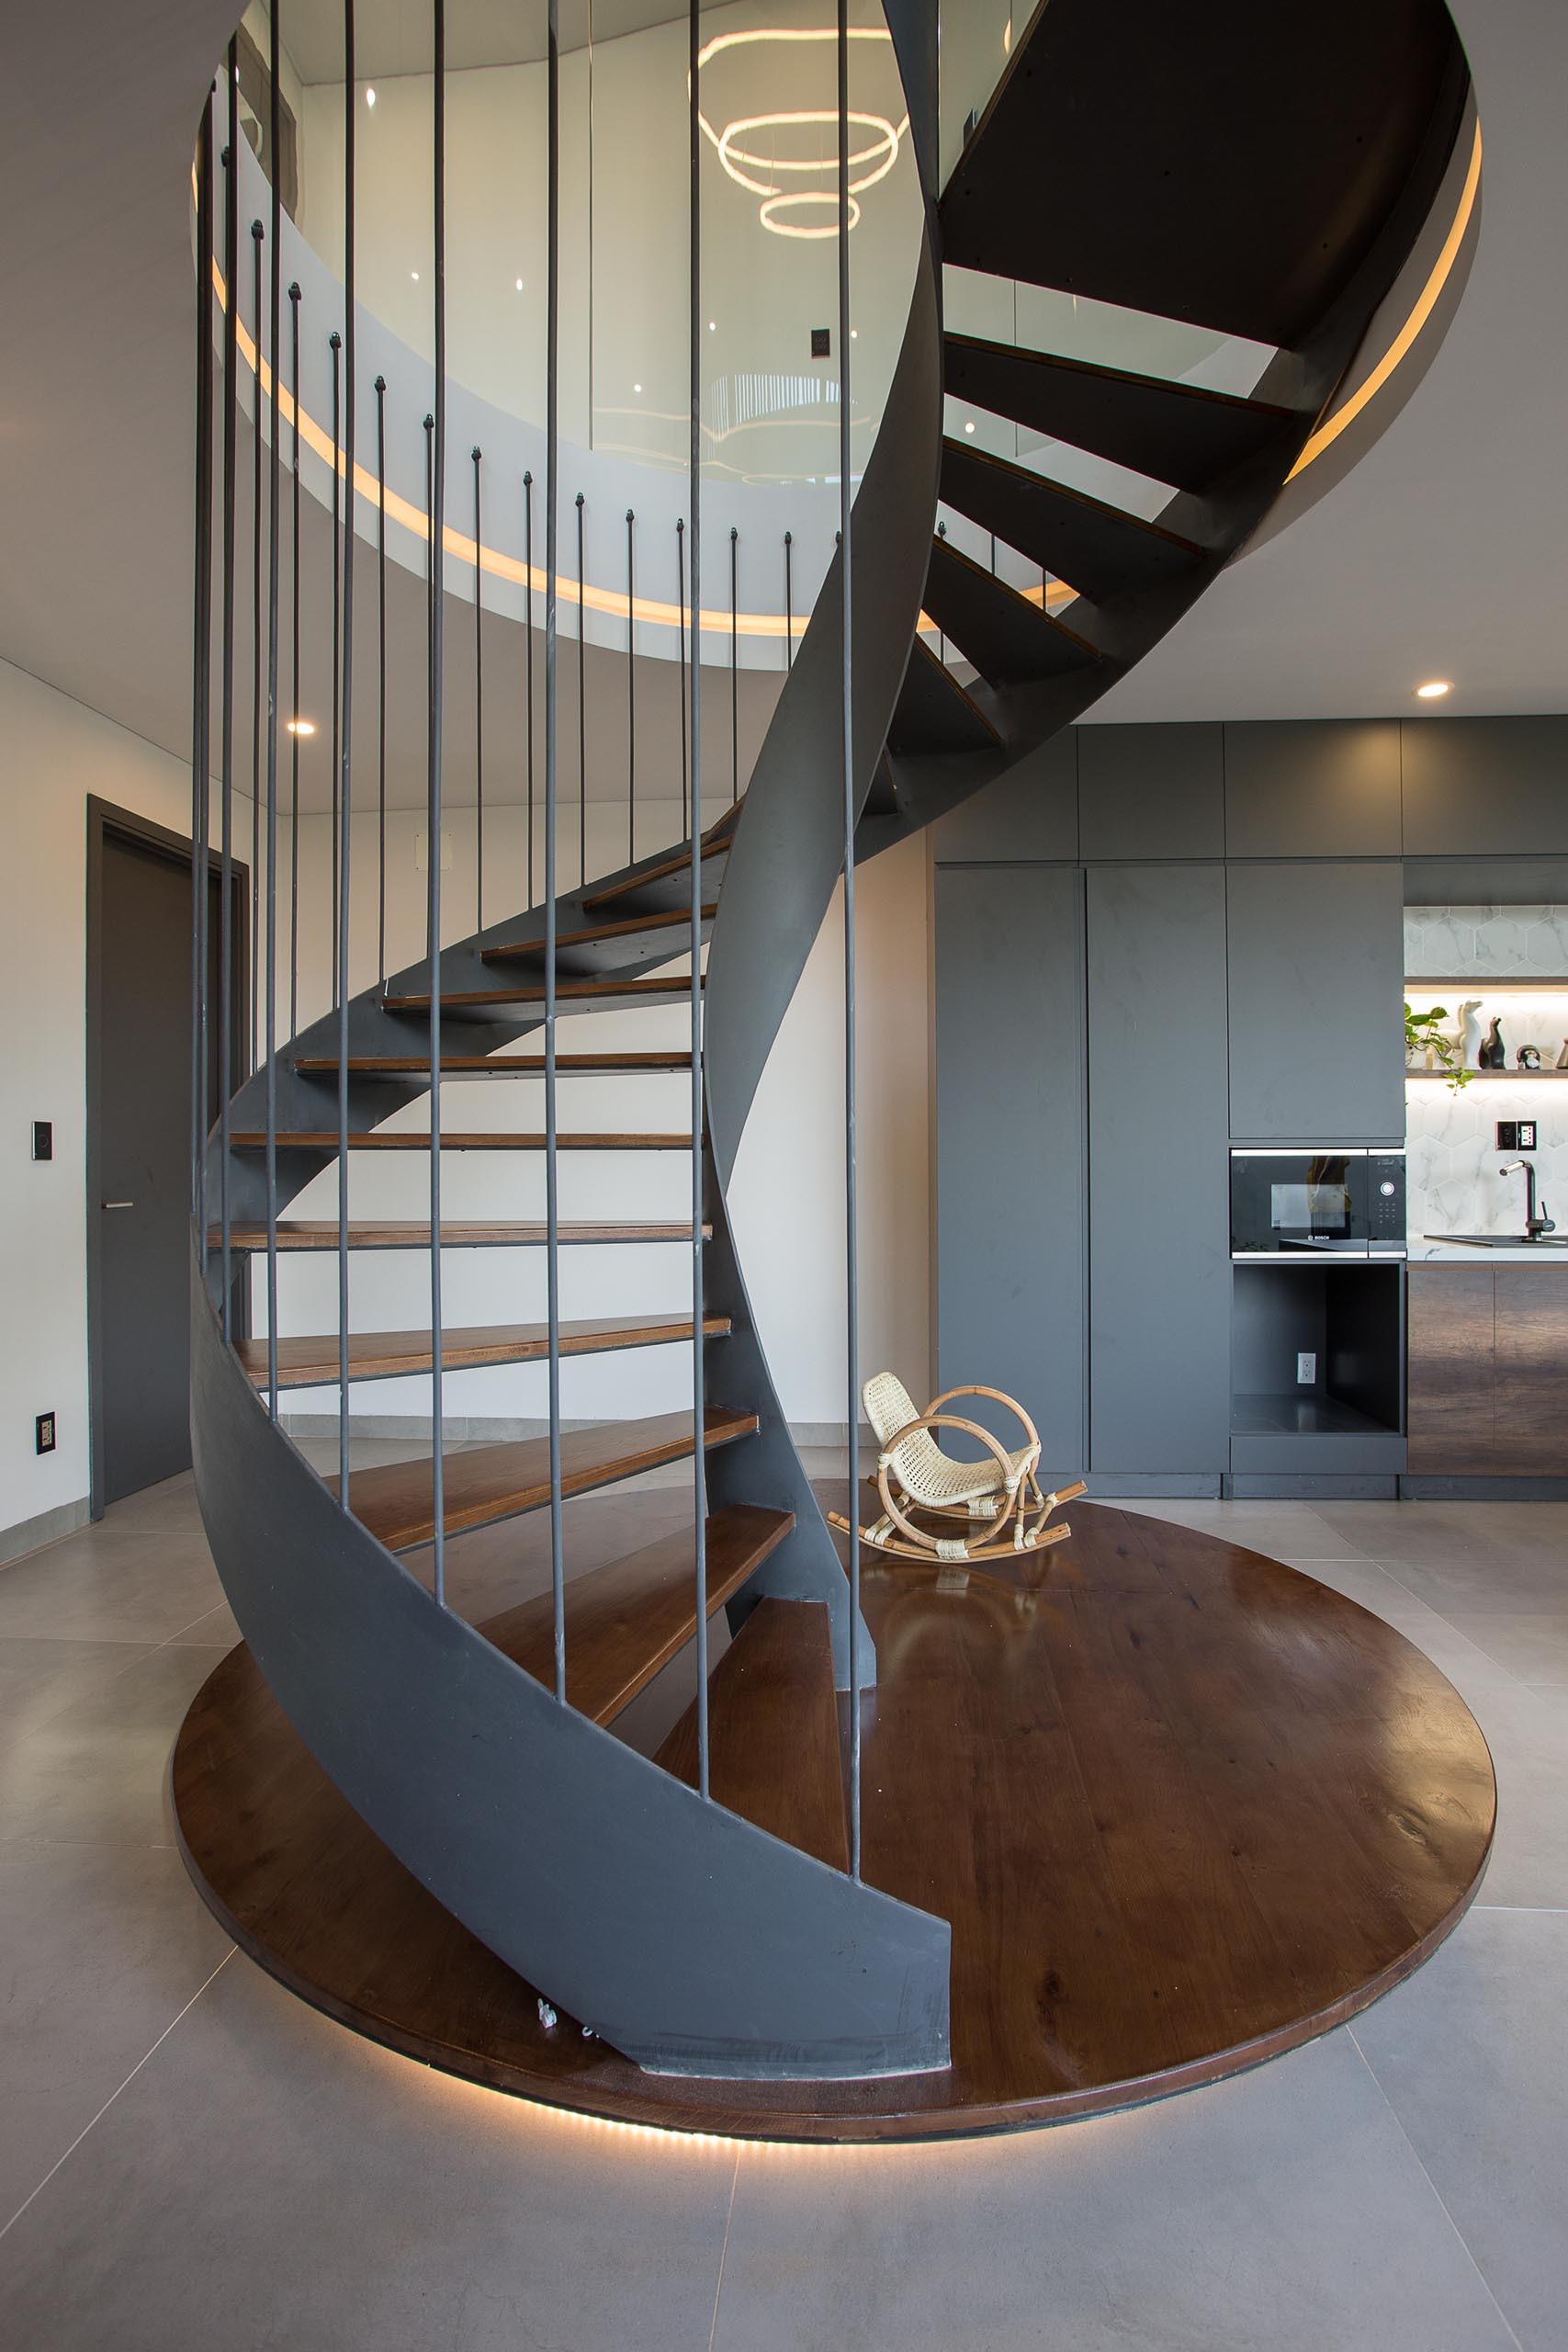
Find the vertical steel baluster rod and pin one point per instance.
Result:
(631, 688)
(335, 342)
(734, 666)
(680, 624)
(226, 747)
(381, 679)
(581, 707)
(552, 501)
(789, 600)
(699, 1464)
(478, 703)
(345, 795)
(294, 682)
(852, 1240)
(437, 643)
(258, 236)
(528, 660)
(274, 542)
(201, 683)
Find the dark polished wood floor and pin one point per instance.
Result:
(1184, 1806)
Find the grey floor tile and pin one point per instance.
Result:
(96, 1775)
(1528, 1735)
(1284, 2211)
(1530, 1644)
(1274, 1529)
(103, 1947)
(168, 1508)
(1473, 2059)
(215, 1628)
(40, 1678)
(269, 2181)
(105, 1584)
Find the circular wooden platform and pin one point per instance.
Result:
(1184, 1806)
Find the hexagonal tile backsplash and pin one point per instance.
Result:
(1451, 1138)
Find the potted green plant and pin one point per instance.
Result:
(1424, 1038)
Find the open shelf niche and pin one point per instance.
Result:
(1350, 1315)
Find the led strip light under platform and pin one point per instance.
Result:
(1185, 1807)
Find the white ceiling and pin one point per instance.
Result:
(1446, 550)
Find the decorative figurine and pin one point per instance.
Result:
(1528, 1057)
(1470, 1033)
(1493, 1053)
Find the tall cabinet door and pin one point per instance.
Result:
(1159, 1215)
(1316, 982)
(1010, 1147)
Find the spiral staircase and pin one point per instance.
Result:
(1214, 164)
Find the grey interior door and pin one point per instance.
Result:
(138, 1155)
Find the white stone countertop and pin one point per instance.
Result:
(1424, 1251)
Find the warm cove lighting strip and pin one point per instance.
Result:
(1329, 431)
(613, 602)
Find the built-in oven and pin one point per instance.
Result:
(1340, 1202)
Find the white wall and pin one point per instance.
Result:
(56, 753)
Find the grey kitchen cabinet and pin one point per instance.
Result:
(1313, 788)
(1031, 811)
(1151, 792)
(1011, 1226)
(1316, 954)
(1486, 788)
(1159, 1213)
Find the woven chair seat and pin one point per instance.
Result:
(931, 1479)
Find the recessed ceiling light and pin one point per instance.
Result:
(414, 274)
(369, 97)
(301, 727)
(637, 388)
(520, 286)
(970, 426)
(854, 334)
(712, 326)
(1435, 689)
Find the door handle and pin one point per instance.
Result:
(119, 1205)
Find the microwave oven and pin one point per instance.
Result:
(1304, 1206)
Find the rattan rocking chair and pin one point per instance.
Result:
(1000, 1499)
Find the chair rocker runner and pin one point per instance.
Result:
(915, 1476)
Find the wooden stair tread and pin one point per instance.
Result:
(934, 713)
(625, 1622)
(1009, 640)
(1172, 432)
(490, 1482)
(373, 1139)
(773, 1753)
(305, 1363)
(492, 1065)
(403, 1233)
(678, 862)
(606, 994)
(629, 927)
(1101, 550)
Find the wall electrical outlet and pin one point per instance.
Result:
(821, 343)
(44, 1138)
(1515, 1135)
(1306, 1369)
(43, 1434)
